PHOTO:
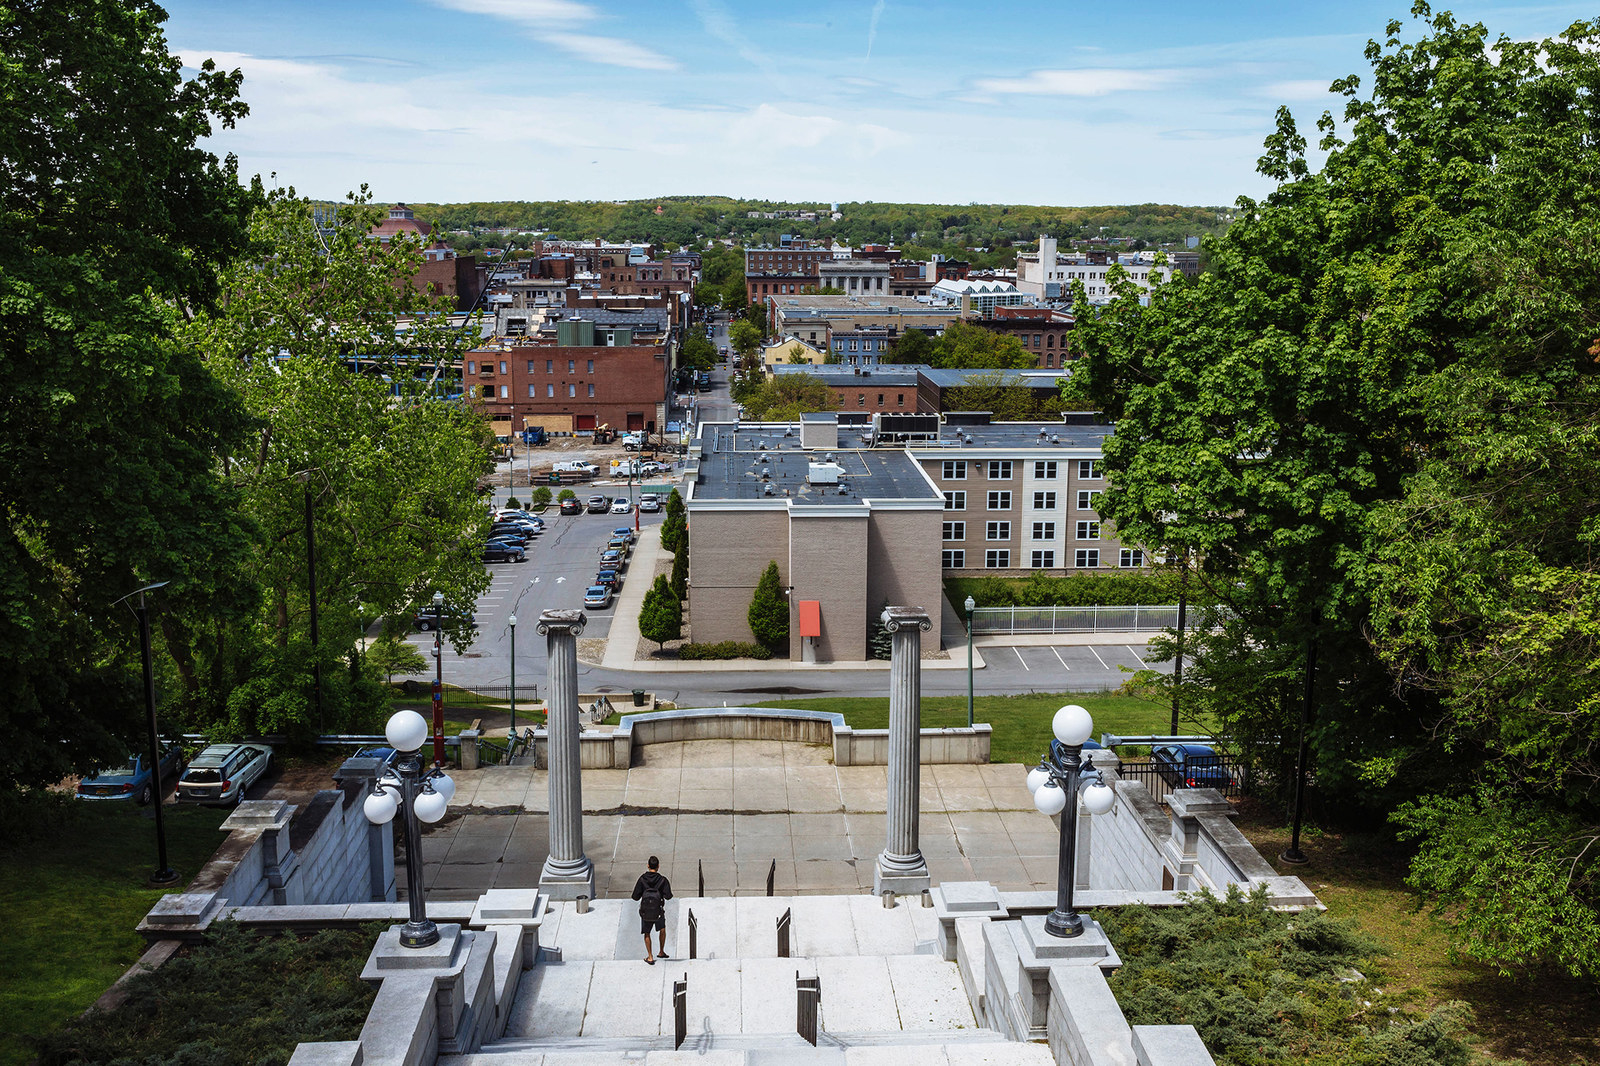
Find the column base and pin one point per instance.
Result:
(904, 875)
(567, 880)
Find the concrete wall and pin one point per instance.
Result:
(828, 563)
(728, 550)
(1124, 844)
(902, 564)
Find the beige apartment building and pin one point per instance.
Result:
(851, 529)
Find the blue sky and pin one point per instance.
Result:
(1026, 102)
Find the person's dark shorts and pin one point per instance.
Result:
(647, 924)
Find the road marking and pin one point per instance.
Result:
(1142, 663)
(1021, 660)
(1060, 660)
(1096, 655)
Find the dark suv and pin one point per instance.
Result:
(428, 617)
(571, 505)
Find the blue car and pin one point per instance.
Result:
(133, 780)
(1190, 766)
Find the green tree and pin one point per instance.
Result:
(674, 532)
(965, 346)
(389, 469)
(113, 223)
(390, 655)
(785, 397)
(661, 615)
(680, 571)
(745, 338)
(566, 494)
(1374, 418)
(798, 355)
(697, 353)
(541, 496)
(913, 347)
(769, 612)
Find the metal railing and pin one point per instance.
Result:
(808, 1006)
(694, 936)
(1222, 773)
(783, 933)
(772, 874)
(1013, 621)
(680, 1012)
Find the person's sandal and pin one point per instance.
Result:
(662, 955)
(650, 962)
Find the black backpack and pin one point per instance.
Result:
(650, 903)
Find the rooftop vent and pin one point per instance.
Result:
(788, 432)
(1055, 438)
(766, 490)
(844, 490)
(967, 437)
(766, 473)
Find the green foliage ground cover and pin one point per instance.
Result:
(1156, 588)
(75, 887)
(238, 999)
(1021, 723)
(1263, 986)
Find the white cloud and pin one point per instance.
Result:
(1298, 90)
(872, 26)
(553, 21)
(1085, 82)
(718, 22)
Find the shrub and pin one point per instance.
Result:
(541, 496)
(661, 615)
(680, 574)
(567, 494)
(514, 504)
(1076, 590)
(725, 649)
(769, 611)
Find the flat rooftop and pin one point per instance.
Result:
(735, 456)
(1019, 435)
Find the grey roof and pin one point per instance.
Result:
(955, 378)
(839, 374)
(733, 462)
(1024, 435)
(652, 317)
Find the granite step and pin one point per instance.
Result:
(970, 1047)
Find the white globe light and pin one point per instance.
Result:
(445, 787)
(1072, 725)
(1051, 798)
(406, 731)
(380, 808)
(1098, 798)
(429, 806)
(1036, 778)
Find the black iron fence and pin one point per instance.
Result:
(808, 1006)
(783, 933)
(1221, 772)
(694, 937)
(680, 1012)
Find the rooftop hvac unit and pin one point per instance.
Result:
(763, 445)
(824, 473)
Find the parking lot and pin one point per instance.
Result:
(1083, 659)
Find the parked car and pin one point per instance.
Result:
(626, 532)
(512, 525)
(219, 775)
(1190, 766)
(649, 467)
(611, 579)
(571, 505)
(598, 596)
(388, 755)
(618, 543)
(622, 506)
(599, 504)
(649, 505)
(428, 618)
(512, 536)
(613, 560)
(501, 552)
(132, 780)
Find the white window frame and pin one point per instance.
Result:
(1131, 559)
(999, 500)
(1044, 469)
(1086, 558)
(997, 559)
(955, 470)
(1088, 529)
(953, 531)
(999, 530)
(1044, 531)
(1089, 470)
(953, 558)
(955, 500)
(999, 469)
(1086, 499)
(1044, 501)
(1043, 559)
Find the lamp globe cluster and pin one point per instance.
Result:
(406, 732)
(1072, 725)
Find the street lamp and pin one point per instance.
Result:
(970, 604)
(1055, 786)
(438, 679)
(424, 795)
(163, 874)
(513, 622)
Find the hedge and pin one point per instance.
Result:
(1077, 590)
(725, 649)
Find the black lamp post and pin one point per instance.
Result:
(513, 623)
(424, 795)
(1055, 784)
(164, 874)
(970, 605)
(438, 679)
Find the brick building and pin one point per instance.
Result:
(1044, 332)
(781, 271)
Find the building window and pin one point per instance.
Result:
(505, 392)
(472, 366)
(997, 531)
(530, 366)
(549, 366)
(488, 392)
(999, 469)
(954, 531)
(502, 366)
(1086, 558)
(1050, 341)
(572, 391)
(861, 399)
(532, 393)
(1036, 340)
(1130, 558)
(1089, 470)
(997, 558)
(955, 470)
(953, 559)
(900, 400)
(1044, 471)
(1044, 531)
(1088, 531)
(591, 366)
(591, 392)
(880, 399)
(550, 391)
(955, 501)
(572, 366)
(1043, 560)
(1044, 501)
(1088, 499)
(999, 501)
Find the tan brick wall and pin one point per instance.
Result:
(828, 563)
(728, 550)
(903, 564)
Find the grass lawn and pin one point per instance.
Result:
(74, 898)
(1542, 1018)
(1021, 723)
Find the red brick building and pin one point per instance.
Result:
(781, 271)
(1044, 333)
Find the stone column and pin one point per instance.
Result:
(568, 873)
(901, 867)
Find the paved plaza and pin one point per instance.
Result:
(732, 808)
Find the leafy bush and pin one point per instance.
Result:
(566, 494)
(514, 504)
(769, 611)
(541, 496)
(1262, 986)
(1077, 590)
(725, 649)
(239, 997)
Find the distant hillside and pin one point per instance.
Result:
(950, 228)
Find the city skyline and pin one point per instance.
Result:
(455, 100)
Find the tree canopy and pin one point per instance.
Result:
(963, 346)
(785, 397)
(769, 612)
(1375, 419)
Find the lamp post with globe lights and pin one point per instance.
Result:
(970, 605)
(1056, 786)
(438, 679)
(424, 795)
(513, 623)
